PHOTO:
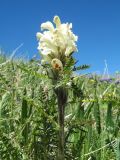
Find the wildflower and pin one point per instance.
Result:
(57, 64)
(56, 42)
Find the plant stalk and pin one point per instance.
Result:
(62, 99)
(61, 132)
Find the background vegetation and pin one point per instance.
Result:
(28, 114)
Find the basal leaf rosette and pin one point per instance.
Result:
(56, 43)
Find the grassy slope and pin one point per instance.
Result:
(28, 116)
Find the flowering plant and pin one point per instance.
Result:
(56, 43)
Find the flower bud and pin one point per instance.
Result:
(57, 21)
(57, 64)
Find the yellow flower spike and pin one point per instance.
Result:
(56, 42)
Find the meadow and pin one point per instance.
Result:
(50, 111)
(29, 114)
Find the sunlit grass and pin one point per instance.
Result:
(28, 115)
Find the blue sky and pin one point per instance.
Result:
(96, 22)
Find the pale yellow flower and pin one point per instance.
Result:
(56, 42)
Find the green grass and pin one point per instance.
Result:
(28, 115)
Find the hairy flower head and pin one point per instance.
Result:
(56, 42)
